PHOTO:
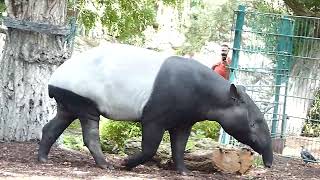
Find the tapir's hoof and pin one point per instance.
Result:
(42, 159)
(106, 166)
(184, 172)
(126, 165)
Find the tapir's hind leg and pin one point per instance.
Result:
(90, 132)
(52, 130)
(179, 137)
(152, 135)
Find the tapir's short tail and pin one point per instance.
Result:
(50, 91)
(57, 93)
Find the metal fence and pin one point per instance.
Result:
(277, 58)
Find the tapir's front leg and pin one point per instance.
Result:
(178, 138)
(152, 135)
(90, 132)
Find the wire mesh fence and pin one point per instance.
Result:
(277, 58)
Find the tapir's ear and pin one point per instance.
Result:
(234, 92)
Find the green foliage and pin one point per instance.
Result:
(258, 23)
(113, 134)
(312, 5)
(304, 7)
(209, 129)
(86, 18)
(213, 23)
(124, 20)
(311, 129)
(191, 144)
(75, 125)
(166, 137)
(73, 141)
(208, 22)
(301, 26)
(314, 112)
(257, 161)
(266, 7)
(194, 140)
(72, 137)
(172, 2)
(2, 7)
(312, 124)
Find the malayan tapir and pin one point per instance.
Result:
(161, 91)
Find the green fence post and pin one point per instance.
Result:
(224, 137)
(283, 58)
(289, 28)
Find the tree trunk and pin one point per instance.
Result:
(304, 83)
(27, 63)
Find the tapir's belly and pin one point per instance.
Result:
(119, 83)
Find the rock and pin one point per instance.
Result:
(133, 146)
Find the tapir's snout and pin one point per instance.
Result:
(266, 152)
(267, 156)
(262, 144)
(268, 164)
(267, 161)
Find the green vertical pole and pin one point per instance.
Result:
(224, 137)
(283, 58)
(237, 42)
(288, 31)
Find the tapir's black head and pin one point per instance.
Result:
(245, 122)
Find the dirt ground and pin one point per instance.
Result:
(18, 161)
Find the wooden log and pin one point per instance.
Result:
(232, 160)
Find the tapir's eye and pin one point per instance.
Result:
(236, 100)
(252, 125)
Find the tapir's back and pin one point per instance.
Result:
(119, 78)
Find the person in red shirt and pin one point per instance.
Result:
(222, 67)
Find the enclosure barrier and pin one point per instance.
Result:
(277, 58)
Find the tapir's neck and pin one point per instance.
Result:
(216, 114)
(227, 115)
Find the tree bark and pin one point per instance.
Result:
(28, 60)
(303, 85)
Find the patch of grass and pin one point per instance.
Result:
(73, 141)
(114, 134)
(257, 161)
(75, 125)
